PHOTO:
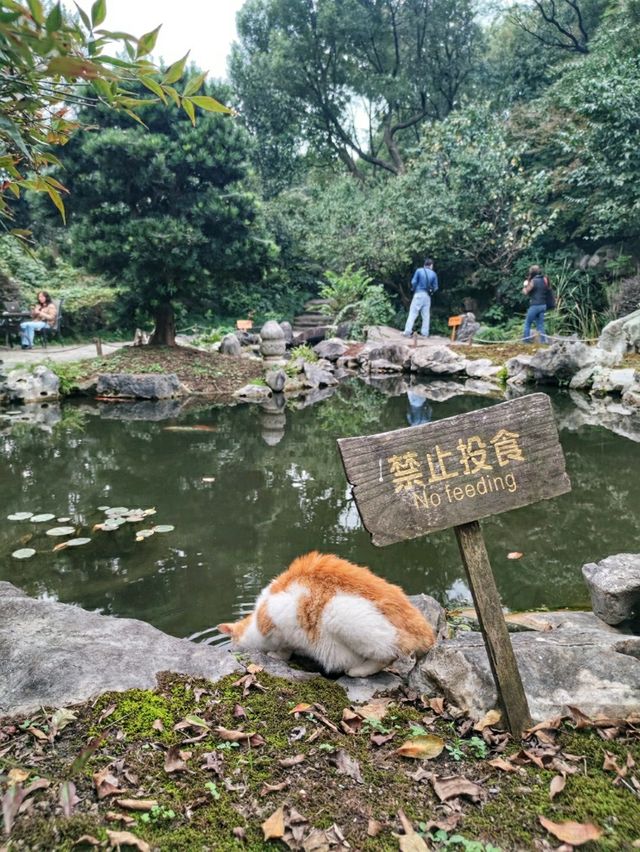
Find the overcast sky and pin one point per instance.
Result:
(206, 27)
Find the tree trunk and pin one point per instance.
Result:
(164, 333)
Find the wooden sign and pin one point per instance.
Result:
(416, 481)
(451, 473)
(453, 324)
(244, 325)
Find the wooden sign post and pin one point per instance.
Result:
(416, 481)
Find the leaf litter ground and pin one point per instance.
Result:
(255, 762)
(208, 373)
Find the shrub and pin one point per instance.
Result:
(352, 297)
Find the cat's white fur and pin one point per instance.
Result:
(354, 636)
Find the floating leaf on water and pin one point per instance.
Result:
(61, 531)
(103, 508)
(144, 533)
(135, 519)
(162, 528)
(23, 553)
(208, 479)
(63, 520)
(40, 519)
(20, 516)
(117, 510)
(515, 554)
(149, 512)
(60, 546)
(76, 542)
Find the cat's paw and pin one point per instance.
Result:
(280, 655)
(366, 669)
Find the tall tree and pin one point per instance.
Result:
(357, 78)
(166, 210)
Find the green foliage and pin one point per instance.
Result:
(353, 298)
(45, 51)
(158, 814)
(443, 840)
(68, 372)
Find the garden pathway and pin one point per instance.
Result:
(53, 352)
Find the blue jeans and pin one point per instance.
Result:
(28, 329)
(421, 303)
(535, 316)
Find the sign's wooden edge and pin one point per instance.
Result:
(407, 429)
(562, 484)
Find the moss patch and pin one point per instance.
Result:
(214, 793)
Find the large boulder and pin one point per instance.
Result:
(557, 364)
(482, 368)
(439, 360)
(596, 670)
(621, 336)
(37, 386)
(331, 349)
(396, 355)
(614, 585)
(276, 380)
(54, 654)
(230, 345)
(606, 381)
(318, 377)
(139, 386)
(253, 393)
(468, 328)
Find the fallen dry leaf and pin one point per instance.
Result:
(376, 709)
(126, 838)
(11, 802)
(574, 833)
(437, 705)
(87, 840)
(254, 668)
(581, 720)
(273, 828)
(301, 708)
(410, 841)
(347, 765)
(234, 736)
(137, 804)
(174, 759)
(381, 739)
(491, 718)
(158, 725)
(67, 797)
(116, 816)
(106, 783)
(374, 828)
(273, 788)
(548, 725)
(515, 554)
(451, 788)
(239, 712)
(17, 776)
(422, 748)
(502, 764)
(557, 785)
(292, 761)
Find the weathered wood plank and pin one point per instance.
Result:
(506, 676)
(415, 481)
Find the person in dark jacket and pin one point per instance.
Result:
(535, 287)
(423, 284)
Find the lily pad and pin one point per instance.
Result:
(144, 533)
(76, 542)
(63, 520)
(103, 508)
(135, 519)
(117, 510)
(163, 528)
(20, 516)
(61, 531)
(23, 553)
(40, 519)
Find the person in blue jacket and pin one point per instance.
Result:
(423, 284)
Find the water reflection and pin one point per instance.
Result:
(419, 410)
(263, 484)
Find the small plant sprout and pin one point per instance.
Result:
(212, 787)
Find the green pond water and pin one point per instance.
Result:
(277, 494)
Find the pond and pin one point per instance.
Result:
(249, 490)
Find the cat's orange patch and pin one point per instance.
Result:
(263, 619)
(326, 574)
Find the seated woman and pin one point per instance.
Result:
(44, 314)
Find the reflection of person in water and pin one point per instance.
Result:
(419, 409)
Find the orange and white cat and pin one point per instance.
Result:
(340, 614)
